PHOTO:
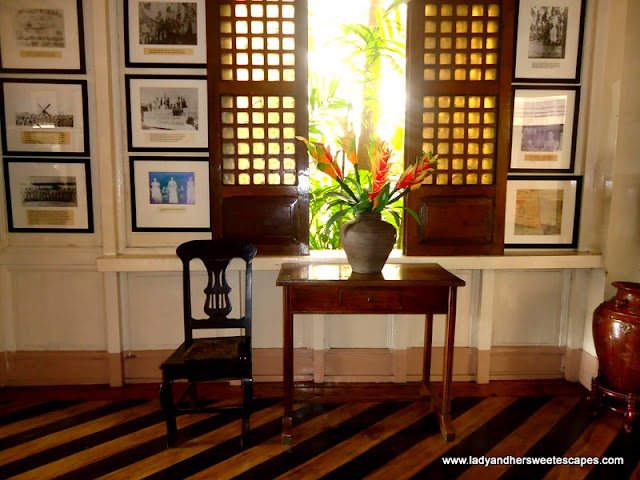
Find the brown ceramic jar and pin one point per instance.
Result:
(616, 334)
(367, 242)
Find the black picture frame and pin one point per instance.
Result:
(52, 55)
(543, 211)
(185, 130)
(65, 114)
(548, 41)
(544, 126)
(144, 49)
(166, 208)
(46, 195)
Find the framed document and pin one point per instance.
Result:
(542, 212)
(543, 129)
(169, 33)
(47, 117)
(169, 194)
(167, 113)
(46, 195)
(41, 36)
(549, 40)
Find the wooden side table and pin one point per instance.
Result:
(401, 289)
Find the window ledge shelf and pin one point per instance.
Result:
(530, 260)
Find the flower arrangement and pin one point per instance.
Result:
(362, 191)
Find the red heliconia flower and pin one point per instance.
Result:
(327, 164)
(380, 154)
(348, 143)
(324, 160)
(413, 176)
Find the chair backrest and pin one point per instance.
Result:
(216, 256)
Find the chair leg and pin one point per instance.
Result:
(168, 407)
(193, 398)
(247, 391)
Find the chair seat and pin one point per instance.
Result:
(200, 358)
(223, 348)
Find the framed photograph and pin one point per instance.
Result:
(169, 194)
(44, 36)
(169, 33)
(167, 113)
(543, 129)
(46, 195)
(549, 40)
(47, 117)
(542, 212)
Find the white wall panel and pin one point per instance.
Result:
(267, 312)
(155, 311)
(463, 318)
(528, 308)
(58, 310)
(155, 308)
(358, 331)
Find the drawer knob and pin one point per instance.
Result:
(370, 299)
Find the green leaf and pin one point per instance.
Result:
(340, 196)
(412, 213)
(383, 199)
(336, 216)
(396, 218)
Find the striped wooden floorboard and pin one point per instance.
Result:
(354, 432)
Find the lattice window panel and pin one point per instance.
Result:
(258, 140)
(462, 130)
(459, 70)
(257, 41)
(461, 41)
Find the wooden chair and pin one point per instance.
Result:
(211, 358)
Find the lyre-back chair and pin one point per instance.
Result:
(211, 358)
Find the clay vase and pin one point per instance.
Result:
(367, 241)
(616, 334)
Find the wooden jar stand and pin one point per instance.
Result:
(625, 403)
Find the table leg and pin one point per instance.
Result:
(287, 370)
(428, 340)
(445, 415)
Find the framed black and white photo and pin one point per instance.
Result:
(169, 33)
(46, 195)
(543, 129)
(549, 40)
(44, 36)
(47, 117)
(167, 113)
(542, 212)
(169, 194)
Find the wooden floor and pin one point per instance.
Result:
(349, 431)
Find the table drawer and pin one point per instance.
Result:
(406, 299)
(373, 298)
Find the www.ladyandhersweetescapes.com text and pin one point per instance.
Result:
(510, 460)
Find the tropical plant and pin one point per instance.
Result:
(363, 191)
(370, 50)
(325, 103)
(369, 46)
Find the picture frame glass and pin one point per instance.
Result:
(168, 113)
(44, 117)
(543, 129)
(41, 35)
(541, 212)
(170, 194)
(48, 195)
(166, 32)
(549, 34)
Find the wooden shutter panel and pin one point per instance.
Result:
(459, 69)
(257, 94)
